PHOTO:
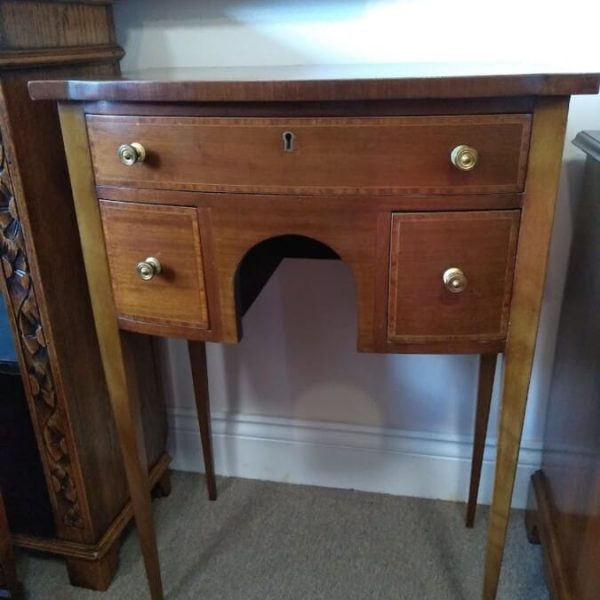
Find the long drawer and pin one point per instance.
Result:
(358, 155)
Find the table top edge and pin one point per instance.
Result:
(281, 84)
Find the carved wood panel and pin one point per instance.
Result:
(50, 418)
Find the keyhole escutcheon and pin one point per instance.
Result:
(288, 141)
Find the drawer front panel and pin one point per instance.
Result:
(176, 295)
(358, 155)
(481, 246)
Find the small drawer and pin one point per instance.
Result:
(173, 293)
(451, 276)
(353, 155)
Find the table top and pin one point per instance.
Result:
(318, 83)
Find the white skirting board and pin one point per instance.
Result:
(372, 459)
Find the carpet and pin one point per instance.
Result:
(277, 541)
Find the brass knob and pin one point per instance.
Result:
(454, 280)
(131, 153)
(464, 157)
(148, 268)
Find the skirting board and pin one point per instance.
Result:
(390, 461)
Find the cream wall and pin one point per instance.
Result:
(295, 401)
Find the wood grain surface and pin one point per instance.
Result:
(329, 206)
(567, 489)
(485, 387)
(481, 244)
(116, 348)
(33, 24)
(43, 282)
(328, 155)
(537, 216)
(134, 232)
(312, 83)
(197, 353)
(544, 526)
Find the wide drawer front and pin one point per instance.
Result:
(314, 155)
(156, 266)
(451, 276)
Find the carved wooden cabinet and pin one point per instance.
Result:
(9, 585)
(44, 287)
(565, 496)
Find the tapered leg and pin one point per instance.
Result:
(8, 573)
(197, 351)
(487, 370)
(547, 137)
(516, 382)
(114, 345)
(129, 425)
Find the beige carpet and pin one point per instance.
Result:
(268, 541)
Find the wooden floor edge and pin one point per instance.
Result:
(91, 551)
(544, 519)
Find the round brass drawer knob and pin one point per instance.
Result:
(129, 154)
(148, 268)
(454, 280)
(464, 157)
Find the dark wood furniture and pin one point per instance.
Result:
(82, 496)
(9, 585)
(437, 192)
(564, 509)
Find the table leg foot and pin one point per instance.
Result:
(94, 574)
(162, 489)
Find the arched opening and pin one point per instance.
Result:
(261, 261)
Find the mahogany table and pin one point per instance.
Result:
(438, 192)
